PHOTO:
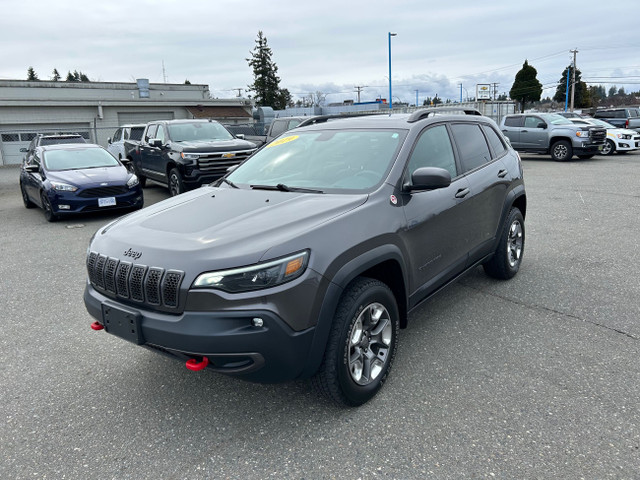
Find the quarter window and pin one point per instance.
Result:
(472, 146)
(495, 141)
(433, 149)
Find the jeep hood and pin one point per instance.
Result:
(216, 228)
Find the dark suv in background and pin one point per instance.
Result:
(306, 260)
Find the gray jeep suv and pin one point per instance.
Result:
(306, 260)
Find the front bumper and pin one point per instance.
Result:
(230, 339)
(588, 148)
(65, 203)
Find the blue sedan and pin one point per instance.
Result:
(76, 178)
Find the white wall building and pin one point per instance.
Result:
(97, 109)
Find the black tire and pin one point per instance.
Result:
(352, 373)
(609, 148)
(47, 208)
(176, 187)
(586, 157)
(561, 151)
(507, 258)
(25, 197)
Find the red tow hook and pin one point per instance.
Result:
(97, 326)
(193, 365)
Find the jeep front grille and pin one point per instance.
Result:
(219, 162)
(139, 283)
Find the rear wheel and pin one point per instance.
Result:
(507, 258)
(561, 151)
(25, 197)
(176, 187)
(47, 208)
(361, 345)
(608, 148)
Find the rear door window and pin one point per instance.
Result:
(497, 145)
(472, 145)
(513, 121)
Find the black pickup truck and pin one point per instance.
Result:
(185, 154)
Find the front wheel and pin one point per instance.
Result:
(47, 208)
(561, 151)
(176, 187)
(361, 345)
(507, 258)
(608, 148)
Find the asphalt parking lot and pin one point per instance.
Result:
(538, 377)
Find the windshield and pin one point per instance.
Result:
(75, 159)
(322, 160)
(197, 131)
(556, 119)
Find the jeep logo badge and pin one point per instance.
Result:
(132, 254)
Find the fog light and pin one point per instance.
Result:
(64, 207)
(257, 322)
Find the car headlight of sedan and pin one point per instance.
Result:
(624, 136)
(256, 277)
(63, 187)
(133, 181)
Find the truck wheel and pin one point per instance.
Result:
(361, 345)
(608, 148)
(176, 187)
(47, 208)
(25, 197)
(507, 258)
(561, 151)
(141, 178)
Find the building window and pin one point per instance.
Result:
(10, 137)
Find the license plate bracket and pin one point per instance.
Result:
(123, 323)
(107, 202)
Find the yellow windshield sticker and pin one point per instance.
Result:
(288, 139)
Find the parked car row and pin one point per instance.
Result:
(565, 134)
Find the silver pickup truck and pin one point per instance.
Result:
(553, 134)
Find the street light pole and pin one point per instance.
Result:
(390, 97)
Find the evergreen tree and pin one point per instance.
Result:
(612, 91)
(71, 77)
(526, 87)
(581, 96)
(55, 76)
(187, 82)
(266, 83)
(83, 77)
(32, 75)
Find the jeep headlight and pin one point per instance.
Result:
(63, 187)
(133, 181)
(256, 277)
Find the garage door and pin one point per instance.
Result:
(132, 118)
(12, 141)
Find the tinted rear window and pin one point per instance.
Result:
(472, 145)
(513, 121)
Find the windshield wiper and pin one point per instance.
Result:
(233, 185)
(285, 188)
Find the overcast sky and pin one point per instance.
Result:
(329, 46)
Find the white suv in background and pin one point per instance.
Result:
(115, 145)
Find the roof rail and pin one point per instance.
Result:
(425, 112)
(323, 118)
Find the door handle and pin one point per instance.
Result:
(502, 173)
(463, 192)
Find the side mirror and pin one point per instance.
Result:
(429, 178)
(32, 168)
(240, 136)
(23, 150)
(542, 125)
(155, 142)
(109, 140)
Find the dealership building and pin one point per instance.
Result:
(96, 109)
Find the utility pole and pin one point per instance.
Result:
(239, 91)
(164, 73)
(416, 98)
(573, 78)
(495, 90)
(359, 88)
